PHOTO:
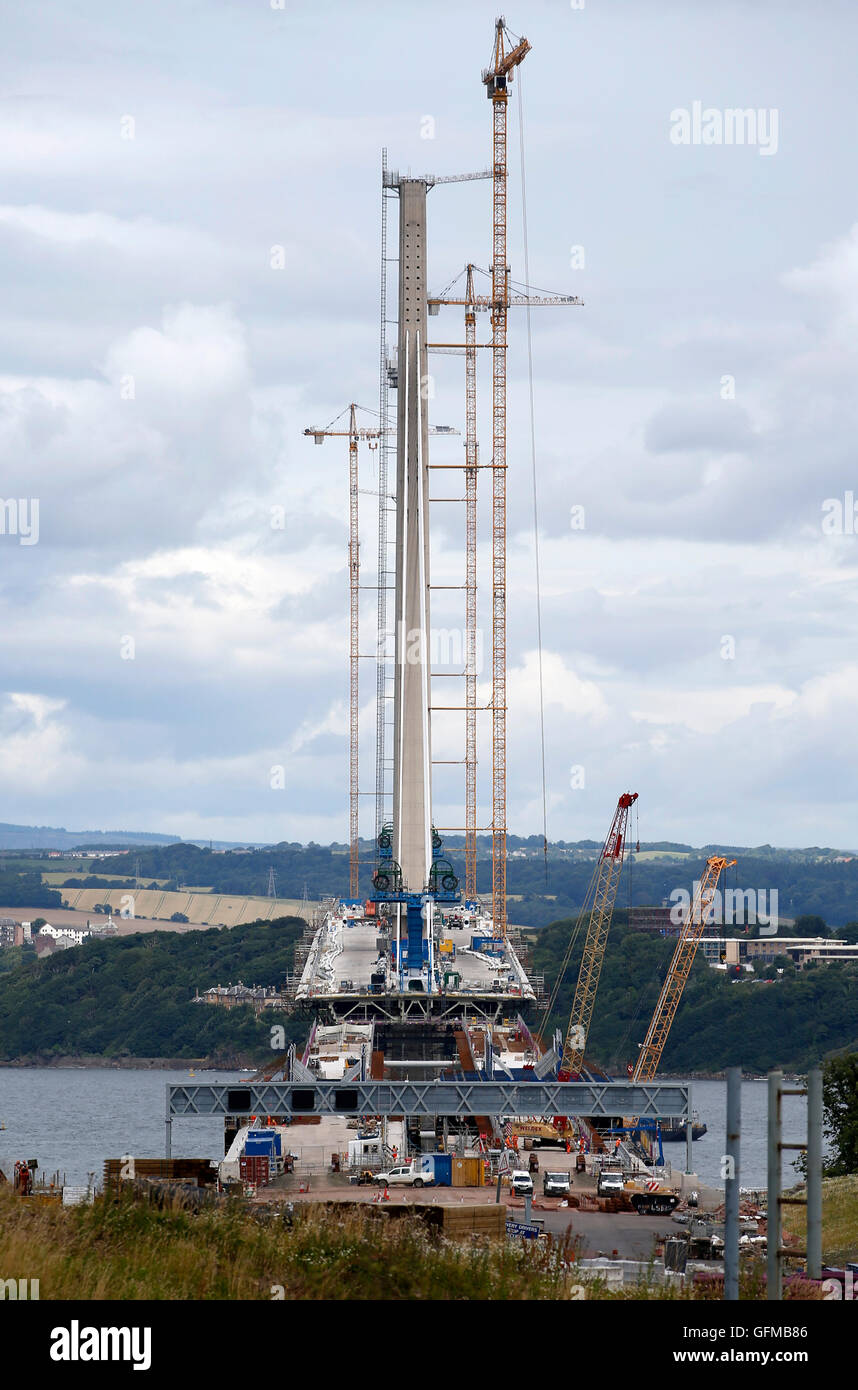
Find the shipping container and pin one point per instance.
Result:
(256, 1148)
(272, 1136)
(254, 1169)
(443, 1165)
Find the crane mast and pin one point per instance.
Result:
(372, 437)
(653, 1044)
(470, 588)
(354, 656)
(496, 79)
(353, 434)
(604, 892)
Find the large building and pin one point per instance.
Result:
(740, 950)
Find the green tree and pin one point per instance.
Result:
(808, 924)
(131, 996)
(840, 1103)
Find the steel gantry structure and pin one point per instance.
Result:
(602, 1100)
(653, 1044)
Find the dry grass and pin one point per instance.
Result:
(839, 1220)
(128, 1249)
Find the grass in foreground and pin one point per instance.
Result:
(839, 1220)
(130, 1249)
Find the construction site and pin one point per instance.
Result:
(436, 428)
(433, 1058)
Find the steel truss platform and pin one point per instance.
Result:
(600, 1100)
(395, 1008)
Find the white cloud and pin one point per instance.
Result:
(145, 261)
(709, 711)
(138, 237)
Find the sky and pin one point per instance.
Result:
(189, 276)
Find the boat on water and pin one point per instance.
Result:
(674, 1131)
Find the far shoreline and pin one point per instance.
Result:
(71, 1063)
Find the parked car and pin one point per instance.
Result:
(555, 1184)
(521, 1183)
(404, 1177)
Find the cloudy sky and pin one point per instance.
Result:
(165, 646)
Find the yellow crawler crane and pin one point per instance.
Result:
(653, 1044)
(601, 895)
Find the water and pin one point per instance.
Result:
(709, 1099)
(74, 1118)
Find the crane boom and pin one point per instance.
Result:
(602, 910)
(653, 1044)
(484, 301)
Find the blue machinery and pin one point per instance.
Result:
(651, 1127)
(413, 949)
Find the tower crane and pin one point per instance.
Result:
(472, 302)
(599, 903)
(507, 54)
(355, 434)
(470, 587)
(518, 296)
(653, 1044)
(496, 79)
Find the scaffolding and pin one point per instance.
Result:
(470, 589)
(386, 448)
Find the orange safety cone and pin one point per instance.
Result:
(386, 1197)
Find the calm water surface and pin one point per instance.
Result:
(72, 1119)
(709, 1098)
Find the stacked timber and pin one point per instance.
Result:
(455, 1222)
(193, 1172)
(489, 1220)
